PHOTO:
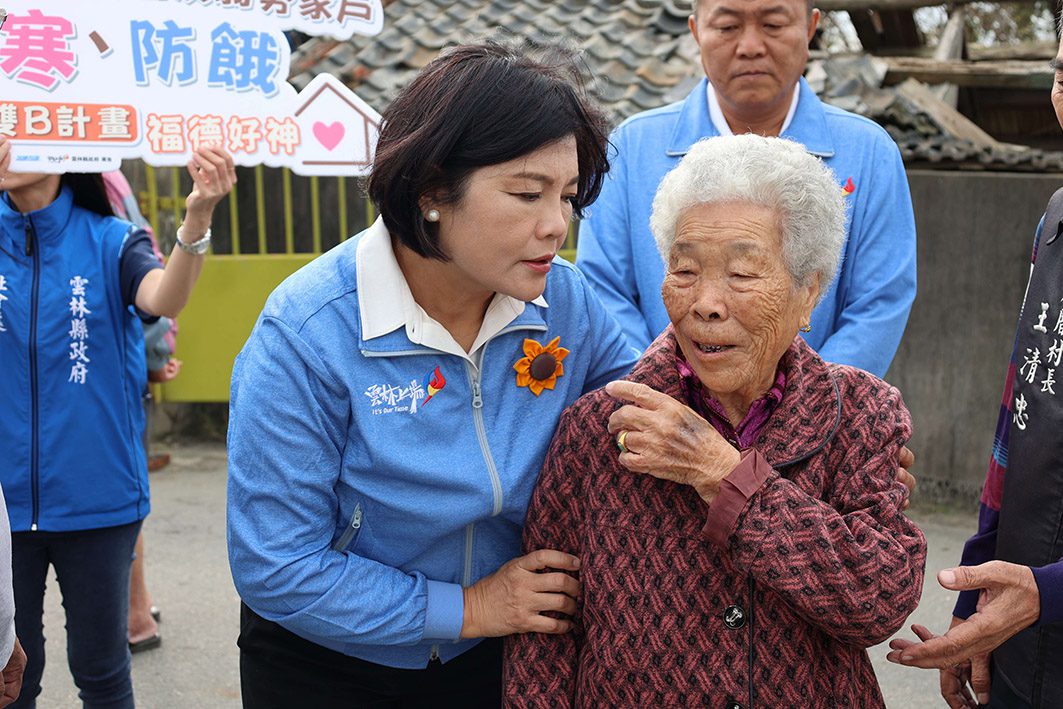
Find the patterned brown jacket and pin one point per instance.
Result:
(771, 605)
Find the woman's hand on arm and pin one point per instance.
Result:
(512, 599)
(904, 476)
(166, 291)
(668, 440)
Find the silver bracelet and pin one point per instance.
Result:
(197, 247)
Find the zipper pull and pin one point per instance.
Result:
(29, 238)
(356, 518)
(477, 399)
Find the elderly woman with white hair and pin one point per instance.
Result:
(733, 501)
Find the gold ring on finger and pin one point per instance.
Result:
(620, 442)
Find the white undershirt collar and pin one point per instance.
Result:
(722, 127)
(385, 302)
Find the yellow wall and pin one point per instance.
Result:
(217, 320)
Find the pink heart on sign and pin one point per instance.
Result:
(329, 135)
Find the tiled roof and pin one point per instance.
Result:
(639, 55)
(943, 152)
(638, 52)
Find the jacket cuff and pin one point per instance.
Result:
(735, 490)
(445, 612)
(1050, 586)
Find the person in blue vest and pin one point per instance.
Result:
(394, 403)
(753, 53)
(75, 282)
(1004, 644)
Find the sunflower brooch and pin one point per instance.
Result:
(541, 366)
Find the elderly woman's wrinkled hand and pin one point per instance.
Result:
(668, 440)
(513, 599)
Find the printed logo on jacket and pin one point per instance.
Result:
(405, 398)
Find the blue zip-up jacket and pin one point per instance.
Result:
(862, 314)
(355, 522)
(72, 357)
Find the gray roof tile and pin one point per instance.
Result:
(638, 52)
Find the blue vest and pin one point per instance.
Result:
(1031, 512)
(72, 364)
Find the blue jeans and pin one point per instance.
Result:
(92, 568)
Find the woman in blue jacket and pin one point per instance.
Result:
(74, 283)
(393, 405)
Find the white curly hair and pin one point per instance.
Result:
(771, 172)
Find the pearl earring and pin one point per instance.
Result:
(432, 215)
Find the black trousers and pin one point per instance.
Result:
(1001, 696)
(280, 669)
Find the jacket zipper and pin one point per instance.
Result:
(31, 250)
(475, 374)
(352, 529)
(466, 578)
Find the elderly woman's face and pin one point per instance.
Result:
(732, 300)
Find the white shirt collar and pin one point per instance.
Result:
(385, 302)
(718, 120)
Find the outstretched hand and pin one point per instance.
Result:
(1009, 602)
(964, 685)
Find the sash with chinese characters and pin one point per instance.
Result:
(1031, 515)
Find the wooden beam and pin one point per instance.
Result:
(951, 47)
(851, 5)
(951, 44)
(1033, 51)
(1023, 50)
(952, 121)
(999, 75)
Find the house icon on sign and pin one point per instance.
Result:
(339, 129)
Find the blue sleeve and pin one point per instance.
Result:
(604, 253)
(613, 357)
(288, 428)
(137, 260)
(1050, 585)
(880, 265)
(979, 549)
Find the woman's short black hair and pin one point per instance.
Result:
(473, 106)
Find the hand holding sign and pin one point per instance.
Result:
(82, 90)
(213, 175)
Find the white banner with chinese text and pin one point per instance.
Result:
(84, 85)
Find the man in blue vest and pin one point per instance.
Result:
(1005, 642)
(754, 53)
